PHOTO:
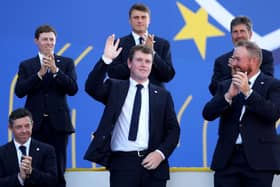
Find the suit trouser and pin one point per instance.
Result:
(126, 171)
(59, 141)
(238, 173)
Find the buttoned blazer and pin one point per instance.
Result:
(163, 124)
(44, 170)
(48, 96)
(162, 70)
(223, 72)
(257, 127)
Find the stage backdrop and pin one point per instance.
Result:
(198, 31)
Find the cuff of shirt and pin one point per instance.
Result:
(248, 95)
(39, 76)
(20, 180)
(227, 99)
(106, 60)
(161, 154)
(55, 74)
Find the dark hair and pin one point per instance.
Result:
(141, 7)
(19, 113)
(253, 49)
(42, 29)
(241, 20)
(142, 48)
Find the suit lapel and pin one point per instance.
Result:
(57, 61)
(122, 93)
(37, 64)
(153, 104)
(34, 151)
(12, 158)
(259, 84)
(131, 41)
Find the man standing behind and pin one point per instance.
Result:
(138, 130)
(25, 161)
(46, 80)
(162, 71)
(248, 148)
(241, 29)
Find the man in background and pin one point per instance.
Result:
(162, 71)
(45, 80)
(241, 29)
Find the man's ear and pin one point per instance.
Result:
(36, 41)
(10, 126)
(128, 63)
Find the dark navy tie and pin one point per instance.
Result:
(141, 40)
(135, 114)
(22, 148)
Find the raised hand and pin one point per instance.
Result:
(111, 50)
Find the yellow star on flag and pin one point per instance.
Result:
(197, 28)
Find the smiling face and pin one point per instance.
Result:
(241, 60)
(140, 66)
(46, 43)
(240, 32)
(21, 129)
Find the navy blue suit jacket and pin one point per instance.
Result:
(48, 96)
(223, 72)
(257, 127)
(162, 70)
(163, 125)
(44, 170)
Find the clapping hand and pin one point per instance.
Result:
(149, 41)
(25, 167)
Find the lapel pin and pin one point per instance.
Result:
(262, 82)
(155, 91)
(37, 149)
(57, 60)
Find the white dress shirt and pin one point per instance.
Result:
(27, 145)
(19, 155)
(119, 141)
(136, 37)
(252, 81)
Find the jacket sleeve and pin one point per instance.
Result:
(66, 78)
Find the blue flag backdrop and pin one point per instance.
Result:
(198, 31)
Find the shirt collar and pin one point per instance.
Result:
(41, 56)
(253, 79)
(134, 83)
(26, 144)
(136, 36)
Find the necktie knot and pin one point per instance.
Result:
(22, 148)
(139, 86)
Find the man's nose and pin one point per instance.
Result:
(239, 34)
(234, 62)
(49, 41)
(24, 129)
